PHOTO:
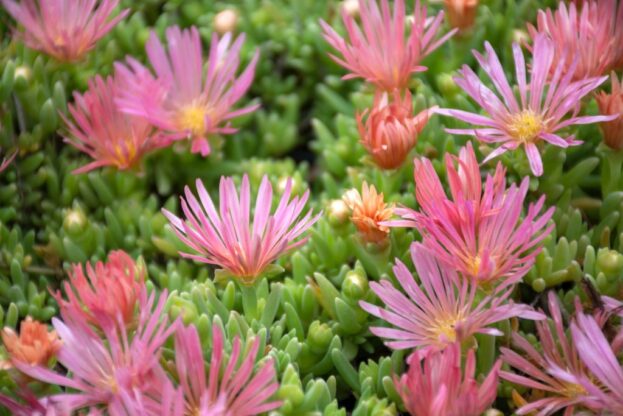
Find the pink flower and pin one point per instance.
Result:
(435, 386)
(543, 104)
(64, 29)
(586, 36)
(108, 293)
(184, 99)
(612, 104)
(108, 136)
(237, 391)
(444, 310)
(242, 246)
(379, 51)
(101, 372)
(479, 231)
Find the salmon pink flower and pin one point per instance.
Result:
(541, 110)
(479, 231)
(444, 310)
(390, 130)
(108, 292)
(108, 136)
(241, 246)
(64, 29)
(434, 385)
(461, 13)
(228, 391)
(34, 345)
(183, 99)
(612, 104)
(368, 210)
(378, 51)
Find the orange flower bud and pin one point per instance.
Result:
(34, 345)
(368, 211)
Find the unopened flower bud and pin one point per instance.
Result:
(226, 21)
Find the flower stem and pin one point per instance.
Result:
(249, 300)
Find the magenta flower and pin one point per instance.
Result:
(242, 246)
(64, 29)
(231, 391)
(479, 231)
(541, 109)
(444, 310)
(183, 99)
(379, 52)
(108, 136)
(101, 372)
(435, 386)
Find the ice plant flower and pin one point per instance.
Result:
(387, 49)
(612, 104)
(107, 292)
(224, 390)
(64, 29)
(241, 246)
(479, 230)
(434, 385)
(108, 136)
(390, 130)
(555, 372)
(34, 345)
(540, 112)
(586, 35)
(461, 13)
(444, 310)
(368, 210)
(183, 99)
(104, 371)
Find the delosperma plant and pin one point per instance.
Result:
(311, 207)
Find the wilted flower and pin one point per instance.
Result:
(461, 13)
(434, 385)
(183, 99)
(234, 391)
(242, 246)
(34, 345)
(539, 113)
(612, 104)
(64, 29)
(443, 311)
(368, 210)
(379, 51)
(108, 136)
(390, 130)
(479, 231)
(108, 293)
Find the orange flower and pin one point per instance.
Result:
(368, 211)
(461, 13)
(611, 104)
(390, 130)
(34, 345)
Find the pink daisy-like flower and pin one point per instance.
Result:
(108, 136)
(183, 99)
(444, 310)
(541, 109)
(64, 29)
(379, 52)
(434, 385)
(479, 231)
(230, 239)
(107, 293)
(232, 391)
(100, 371)
(556, 370)
(585, 35)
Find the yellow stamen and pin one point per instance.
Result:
(192, 118)
(445, 327)
(525, 126)
(473, 265)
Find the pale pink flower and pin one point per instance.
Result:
(184, 99)
(479, 230)
(108, 293)
(224, 390)
(434, 385)
(444, 310)
(64, 29)
(108, 136)
(612, 104)
(31, 405)
(243, 246)
(541, 110)
(386, 49)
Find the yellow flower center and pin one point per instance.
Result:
(573, 390)
(125, 156)
(192, 118)
(525, 126)
(473, 265)
(445, 328)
